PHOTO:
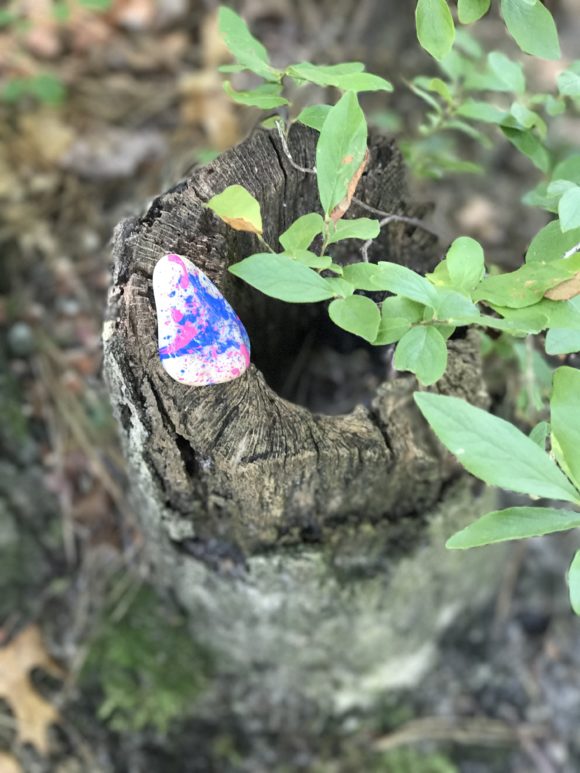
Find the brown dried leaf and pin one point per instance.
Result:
(342, 207)
(565, 290)
(9, 764)
(33, 714)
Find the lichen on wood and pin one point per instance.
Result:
(236, 461)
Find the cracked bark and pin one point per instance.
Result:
(227, 477)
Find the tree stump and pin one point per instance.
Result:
(307, 548)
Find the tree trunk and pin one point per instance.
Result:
(307, 547)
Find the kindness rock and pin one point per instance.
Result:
(201, 338)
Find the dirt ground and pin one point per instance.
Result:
(132, 100)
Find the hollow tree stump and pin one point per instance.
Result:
(307, 548)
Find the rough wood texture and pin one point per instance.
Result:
(235, 461)
(307, 549)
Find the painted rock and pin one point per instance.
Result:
(201, 338)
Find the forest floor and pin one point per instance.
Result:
(130, 99)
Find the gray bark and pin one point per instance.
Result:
(307, 548)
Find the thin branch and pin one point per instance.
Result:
(573, 250)
(390, 216)
(286, 149)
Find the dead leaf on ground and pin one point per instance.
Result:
(342, 207)
(33, 713)
(565, 290)
(9, 764)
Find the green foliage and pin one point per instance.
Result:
(356, 314)
(44, 87)
(283, 277)
(514, 523)
(532, 27)
(340, 150)
(574, 582)
(423, 351)
(435, 28)
(422, 312)
(148, 668)
(494, 450)
(237, 207)
(472, 10)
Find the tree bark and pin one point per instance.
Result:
(306, 547)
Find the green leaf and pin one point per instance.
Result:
(310, 259)
(538, 197)
(451, 305)
(323, 74)
(532, 27)
(510, 73)
(391, 330)
(493, 449)
(340, 150)
(435, 28)
(347, 77)
(539, 434)
(96, 5)
(565, 419)
(248, 51)
(513, 523)
(340, 287)
(465, 263)
(569, 209)
(423, 351)
(281, 277)
(519, 321)
(569, 81)
(568, 169)
(266, 96)
(551, 244)
(435, 85)
(562, 341)
(238, 208)
(362, 81)
(574, 583)
(356, 314)
(48, 88)
(397, 316)
(528, 119)
(401, 280)
(359, 228)
(395, 306)
(361, 275)
(302, 232)
(472, 10)
(525, 286)
(558, 188)
(477, 110)
(528, 144)
(561, 314)
(314, 116)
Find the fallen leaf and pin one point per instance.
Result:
(33, 714)
(342, 207)
(8, 764)
(565, 290)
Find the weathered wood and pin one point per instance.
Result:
(307, 549)
(236, 461)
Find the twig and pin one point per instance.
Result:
(286, 149)
(477, 730)
(390, 216)
(572, 251)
